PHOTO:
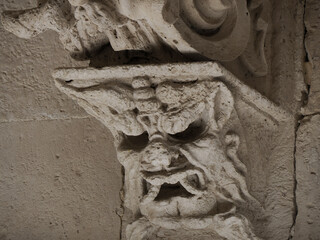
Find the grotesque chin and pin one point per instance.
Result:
(182, 193)
(178, 207)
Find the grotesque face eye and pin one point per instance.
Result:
(193, 132)
(134, 142)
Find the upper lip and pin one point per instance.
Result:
(191, 179)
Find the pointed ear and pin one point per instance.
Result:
(222, 104)
(254, 57)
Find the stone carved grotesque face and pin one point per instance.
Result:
(181, 167)
(179, 148)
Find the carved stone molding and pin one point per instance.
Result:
(220, 30)
(185, 134)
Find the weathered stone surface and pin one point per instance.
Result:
(308, 183)
(27, 90)
(185, 134)
(56, 175)
(256, 155)
(286, 81)
(308, 142)
(217, 30)
(275, 38)
(59, 179)
(312, 24)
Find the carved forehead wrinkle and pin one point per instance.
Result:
(175, 93)
(191, 100)
(127, 123)
(117, 100)
(148, 105)
(179, 121)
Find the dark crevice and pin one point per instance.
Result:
(295, 204)
(311, 114)
(307, 57)
(122, 203)
(299, 120)
(168, 191)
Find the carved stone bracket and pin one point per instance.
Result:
(185, 134)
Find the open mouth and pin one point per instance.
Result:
(161, 187)
(168, 191)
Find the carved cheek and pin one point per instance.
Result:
(155, 157)
(207, 151)
(78, 2)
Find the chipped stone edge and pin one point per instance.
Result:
(88, 77)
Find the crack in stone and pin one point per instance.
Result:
(307, 57)
(122, 203)
(295, 214)
(44, 119)
(299, 118)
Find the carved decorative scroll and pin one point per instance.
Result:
(220, 30)
(216, 29)
(254, 56)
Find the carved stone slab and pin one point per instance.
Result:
(205, 156)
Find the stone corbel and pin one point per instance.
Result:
(184, 134)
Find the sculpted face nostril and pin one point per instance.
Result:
(156, 156)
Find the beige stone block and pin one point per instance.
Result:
(59, 179)
(308, 182)
(27, 90)
(312, 24)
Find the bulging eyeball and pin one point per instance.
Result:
(78, 2)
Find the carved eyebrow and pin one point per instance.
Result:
(179, 121)
(173, 93)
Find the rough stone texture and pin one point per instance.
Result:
(27, 89)
(286, 82)
(308, 183)
(312, 25)
(57, 165)
(28, 96)
(185, 134)
(267, 55)
(216, 30)
(56, 178)
(307, 226)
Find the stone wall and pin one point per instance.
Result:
(59, 174)
(58, 167)
(308, 141)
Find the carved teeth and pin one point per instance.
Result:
(151, 195)
(191, 182)
(173, 178)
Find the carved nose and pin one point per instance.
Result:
(156, 157)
